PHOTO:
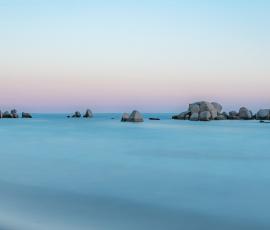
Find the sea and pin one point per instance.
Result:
(102, 174)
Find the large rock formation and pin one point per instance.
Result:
(88, 114)
(245, 114)
(26, 115)
(263, 114)
(200, 111)
(135, 116)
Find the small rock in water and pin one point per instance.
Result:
(154, 118)
(135, 116)
(77, 114)
(88, 114)
(14, 113)
(26, 115)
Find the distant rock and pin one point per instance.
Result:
(245, 114)
(26, 115)
(14, 113)
(233, 115)
(194, 117)
(125, 117)
(0, 114)
(77, 114)
(196, 109)
(263, 114)
(205, 116)
(135, 116)
(7, 115)
(154, 118)
(182, 116)
(88, 114)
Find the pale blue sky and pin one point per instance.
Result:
(117, 55)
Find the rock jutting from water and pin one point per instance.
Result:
(135, 116)
(206, 111)
(77, 114)
(263, 114)
(88, 114)
(202, 111)
(26, 115)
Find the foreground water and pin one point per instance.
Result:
(101, 174)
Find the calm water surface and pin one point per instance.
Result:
(101, 174)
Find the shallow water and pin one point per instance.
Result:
(58, 173)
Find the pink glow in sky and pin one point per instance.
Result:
(158, 57)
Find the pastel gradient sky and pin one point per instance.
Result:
(152, 55)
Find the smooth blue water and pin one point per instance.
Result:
(58, 173)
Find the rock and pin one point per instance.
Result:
(135, 116)
(221, 117)
(194, 108)
(88, 114)
(245, 114)
(125, 117)
(194, 117)
(68, 116)
(217, 106)
(208, 107)
(154, 118)
(7, 115)
(233, 115)
(0, 114)
(77, 115)
(225, 115)
(263, 114)
(205, 116)
(26, 115)
(182, 116)
(14, 113)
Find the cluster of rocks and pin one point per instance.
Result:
(206, 111)
(135, 116)
(13, 114)
(88, 114)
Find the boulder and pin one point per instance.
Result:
(182, 116)
(208, 107)
(217, 106)
(263, 114)
(125, 117)
(7, 115)
(205, 116)
(0, 114)
(233, 115)
(88, 114)
(194, 117)
(135, 116)
(77, 114)
(154, 118)
(26, 115)
(194, 108)
(245, 114)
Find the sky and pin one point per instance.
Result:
(150, 55)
